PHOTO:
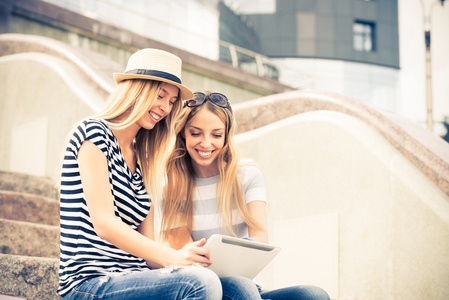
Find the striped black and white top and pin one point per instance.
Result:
(83, 254)
(206, 221)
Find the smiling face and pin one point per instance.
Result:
(161, 107)
(205, 137)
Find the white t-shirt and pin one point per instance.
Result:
(206, 221)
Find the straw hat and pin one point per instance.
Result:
(157, 65)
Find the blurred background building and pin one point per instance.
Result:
(372, 51)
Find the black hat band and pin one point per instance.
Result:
(155, 73)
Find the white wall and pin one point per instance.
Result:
(374, 85)
(191, 25)
(412, 97)
(43, 97)
(350, 212)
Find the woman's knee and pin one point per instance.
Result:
(236, 282)
(207, 282)
(309, 292)
(315, 292)
(303, 292)
(239, 288)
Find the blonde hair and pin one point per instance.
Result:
(177, 208)
(128, 103)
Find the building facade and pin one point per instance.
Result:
(369, 50)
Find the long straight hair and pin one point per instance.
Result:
(177, 208)
(128, 103)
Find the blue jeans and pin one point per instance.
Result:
(240, 288)
(168, 283)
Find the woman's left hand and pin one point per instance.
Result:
(194, 254)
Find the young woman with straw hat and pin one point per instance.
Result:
(113, 165)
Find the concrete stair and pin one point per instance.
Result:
(29, 236)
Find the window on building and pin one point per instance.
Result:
(364, 36)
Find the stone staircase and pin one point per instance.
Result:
(29, 236)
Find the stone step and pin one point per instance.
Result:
(29, 184)
(29, 239)
(34, 278)
(29, 208)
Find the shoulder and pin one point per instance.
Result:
(95, 130)
(87, 126)
(249, 165)
(249, 170)
(97, 126)
(252, 181)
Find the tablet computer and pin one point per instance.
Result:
(233, 256)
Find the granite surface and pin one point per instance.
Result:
(28, 184)
(29, 239)
(35, 278)
(29, 236)
(29, 208)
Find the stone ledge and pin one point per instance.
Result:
(34, 278)
(427, 151)
(28, 239)
(95, 68)
(29, 184)
(29, 208)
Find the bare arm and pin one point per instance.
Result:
(258, 211)
(185, 244)
(95, 178)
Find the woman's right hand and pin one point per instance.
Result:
(193, 254)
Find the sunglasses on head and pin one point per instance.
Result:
(199, 98)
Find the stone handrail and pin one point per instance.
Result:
(94, 67)
(427, 151)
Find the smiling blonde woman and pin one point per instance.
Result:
(210, 190)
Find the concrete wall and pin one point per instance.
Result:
(351, 213)
(42, 98)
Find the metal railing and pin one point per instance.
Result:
(248, 60)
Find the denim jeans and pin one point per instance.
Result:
(168, 283)
(240, 288)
